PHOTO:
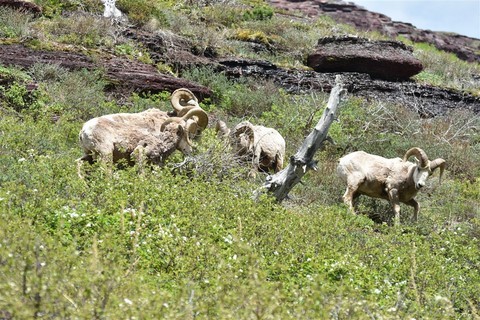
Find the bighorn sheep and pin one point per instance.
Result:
(265, 147)
(395, 180)
(149, 133)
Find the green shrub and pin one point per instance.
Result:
(14, 23)
(446, 70)
(81, 29)
(72, 94)
(143, 11)
(242, 98)
(258, 13)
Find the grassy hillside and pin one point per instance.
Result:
(188, 241)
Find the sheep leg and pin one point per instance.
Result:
(79, 168)
(353, 183)
(106, 160)
(416, 208)
(394, 200)
(139, 154)
(348, 198)
(85, 158)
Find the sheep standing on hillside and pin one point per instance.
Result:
(395, 180)
(264, 147)
(130, 136)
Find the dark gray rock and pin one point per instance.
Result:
(390, 60)
(22, 5)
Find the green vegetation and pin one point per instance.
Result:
(185, 241)
(446, 70)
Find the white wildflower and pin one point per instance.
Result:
(228, 239)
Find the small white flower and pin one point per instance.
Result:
(22, 160)
(228, 239)
(377, 291)
(128, 301)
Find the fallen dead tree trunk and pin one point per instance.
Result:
(282, 182)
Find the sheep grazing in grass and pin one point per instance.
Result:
(396, 180)
(264, 147)
(151, 133)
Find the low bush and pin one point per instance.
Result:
(14, 23)
(80, 29)
(446, 70)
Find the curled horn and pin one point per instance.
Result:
(243, 127)
(182, 98)
(199, 115)
(420, 154)
(247, 128)
(434, 164)
(194, 120)
(222, 129)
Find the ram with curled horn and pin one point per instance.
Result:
(263, 146)
(396, 180)
(176, 133)
(115, 137)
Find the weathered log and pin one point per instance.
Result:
(283, 181)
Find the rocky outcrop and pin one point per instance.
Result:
(125, 76)
(390, 60)
(427, 101)
(466, 48)
(26, 6)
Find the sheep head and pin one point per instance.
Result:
(243, 137)
(177, 127)
(194, 121)
(424, 167)
(182, 99)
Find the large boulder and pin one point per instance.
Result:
(26, 6)
(389, 60)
